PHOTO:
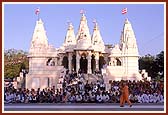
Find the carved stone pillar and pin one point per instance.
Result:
(56, 61)
(89, 71)
(97, 60)
(70, 62)
(106, 58)
(77, 61)
(60, 60)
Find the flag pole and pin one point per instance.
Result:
(124, 12)
(38, 16)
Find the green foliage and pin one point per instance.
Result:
(160, 63)
(154, 65)
(14, 62)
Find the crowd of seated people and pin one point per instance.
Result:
(85, 92)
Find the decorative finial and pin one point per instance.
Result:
(68, 21)
(83, 12)
(126, 21)
(69, 24)
(94, 21)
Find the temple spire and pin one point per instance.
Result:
(70, 36)
(83, 35)
(83, 31)
(128, 40)
(97, 40)
(39, 38)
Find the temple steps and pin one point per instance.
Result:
(92, 78)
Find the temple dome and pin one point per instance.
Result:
(115, 51)
(83, 44)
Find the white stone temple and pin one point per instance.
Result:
(85, 52)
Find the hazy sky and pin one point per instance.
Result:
(147, 21)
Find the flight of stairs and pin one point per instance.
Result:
(92, 78)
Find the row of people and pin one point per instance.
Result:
(78, 93)
(140, 92)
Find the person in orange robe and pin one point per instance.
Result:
(124, 95)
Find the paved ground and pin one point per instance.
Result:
(82, 107)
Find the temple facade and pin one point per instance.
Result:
(82, 52)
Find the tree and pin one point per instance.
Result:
(154, 65)
(147, 63)
(160, 63)
(14, 62)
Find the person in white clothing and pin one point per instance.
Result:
(105, 97)
(18, 98)
(145, 98)
(8, 98)
(140, 98)
(78, 98)
(72, 98)
(22, 99)
(155, 97)
(95, 88)
(92, 97)
(160, 98)
(151, 98)
(99, 98)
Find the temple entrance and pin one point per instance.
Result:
(65, 62)
(74, 62)
(83, 64)
(101, 62)
(93, 64)
(118, 62)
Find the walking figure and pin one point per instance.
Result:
(124, 95)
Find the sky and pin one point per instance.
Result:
(147, 22)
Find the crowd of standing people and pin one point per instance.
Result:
(85, 92)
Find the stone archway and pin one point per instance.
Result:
(65, 62)
(118, 62)
(83, 63)
(93, 64)
(50, 62)
(101, 62)
(74, 62)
